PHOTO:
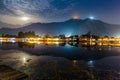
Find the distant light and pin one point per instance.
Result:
(24, 60)
(75, 62)
(68, 34)
(57, 39)
(91, 63)
(91, 17)
(56, 42)
(24, 18)
(12, 40)
(75, 17)
(1, 39)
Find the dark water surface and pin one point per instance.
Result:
(43, 60)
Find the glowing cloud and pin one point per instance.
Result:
(91, 17)
(24, 18)
(75, 17)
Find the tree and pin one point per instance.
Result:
(88, 34)
(106, 36)
(21, 34)
(62, 36)
(47, 36)
(0, 34)
(26, 34)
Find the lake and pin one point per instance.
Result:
(47, 61)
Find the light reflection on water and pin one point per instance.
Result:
(32, 60)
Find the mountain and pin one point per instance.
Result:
(2, 24)
(68, 27)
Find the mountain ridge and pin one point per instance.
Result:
(68, 27)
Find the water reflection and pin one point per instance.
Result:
(44, 59)
(42, 67)
(91, 63)
(75, 62)
(24, 60)
(32, 45)
(85, 45)
(28, 45)
(41, 61)
(71, 51)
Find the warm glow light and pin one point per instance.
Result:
(57, 39)
(24, 59)
(24, 18)
(75, 17)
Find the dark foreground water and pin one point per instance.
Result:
(62, 61)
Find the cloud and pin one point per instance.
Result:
(11, 20)
(27, 4)
(37, 10)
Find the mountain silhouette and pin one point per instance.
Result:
(72, 26)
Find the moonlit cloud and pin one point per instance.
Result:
(57, 10)
(16, 20)
(36, 10)
(27, 4)
(12, 20)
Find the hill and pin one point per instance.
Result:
(69, 27)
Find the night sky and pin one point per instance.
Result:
(28, 11)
